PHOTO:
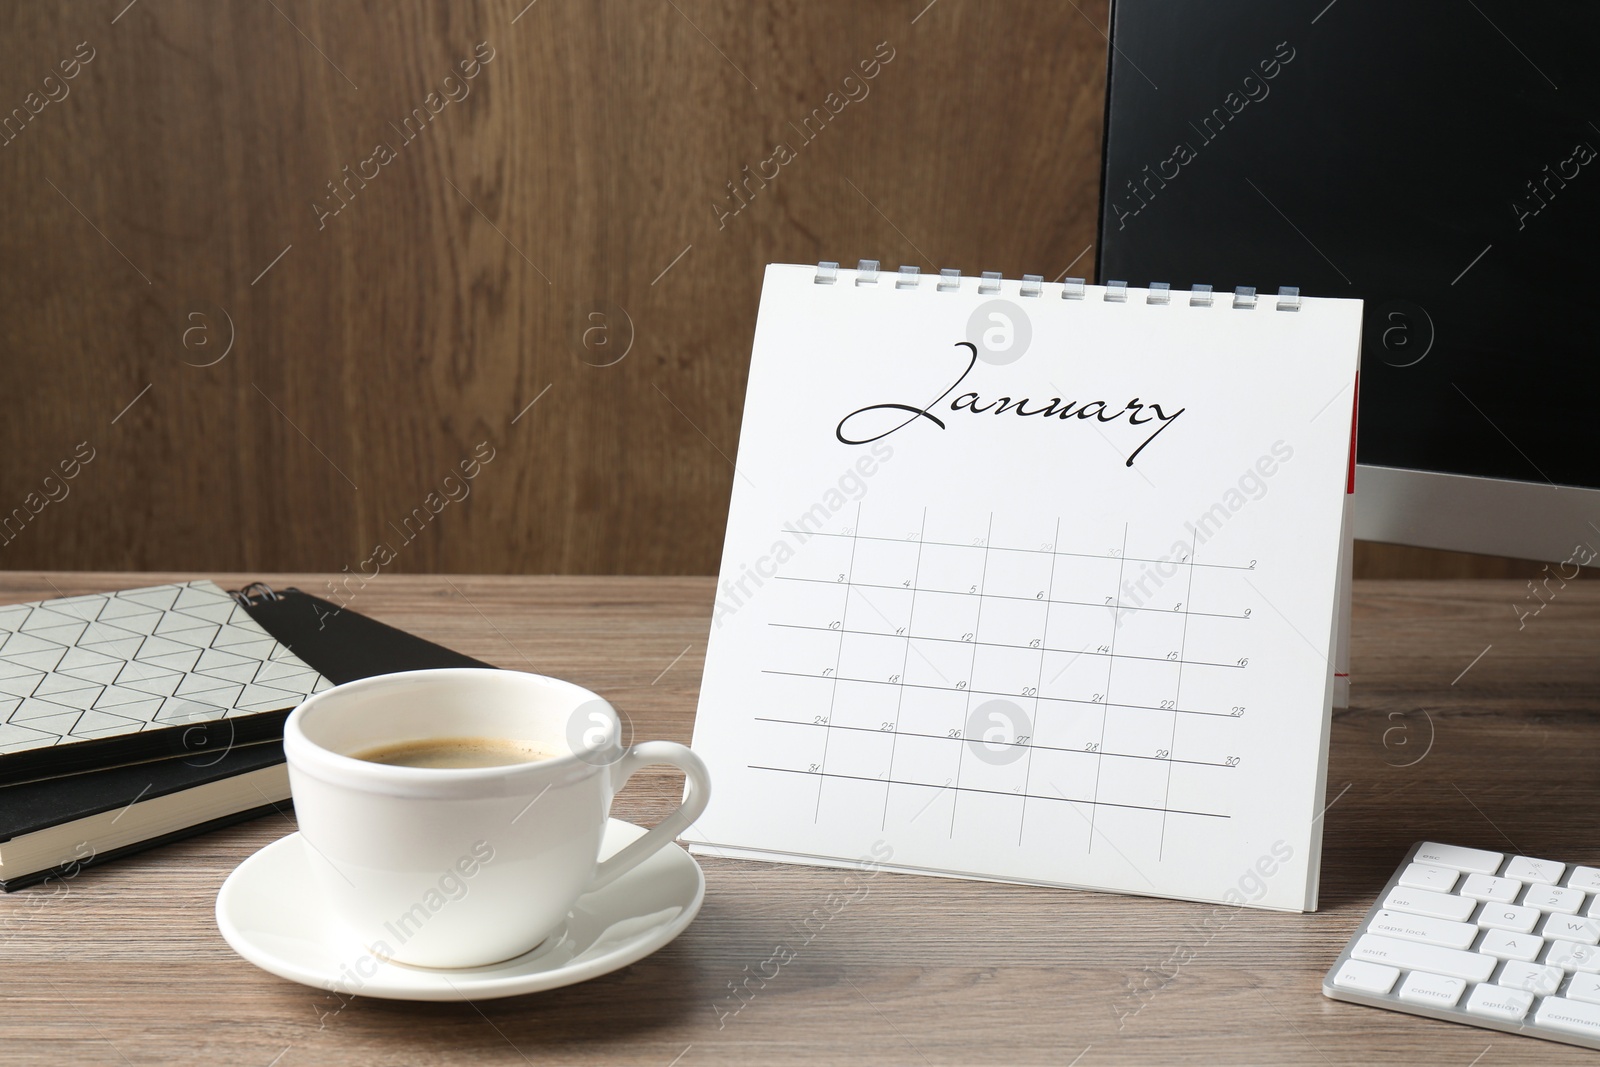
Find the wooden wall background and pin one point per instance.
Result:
(268, 387)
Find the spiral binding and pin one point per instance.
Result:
(1159, 294)
(253, 594)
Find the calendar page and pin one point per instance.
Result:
(1033, 582)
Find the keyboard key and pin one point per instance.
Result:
(1547, 872)
(1438, 905)
(1424, 988)
(1512, 946)
(1499, 1003)
(1554, 898)
(1414, 956)
(1429, 931)
(1462, 859)
(1585, 987)
(1585, 878)
(1571, 956)
(1366, 977)
(1532, 977)
(1569, 1015)
(1422, 876)
(1487, 887)
(1572, 928)
(1508, 917)
(1495, 940)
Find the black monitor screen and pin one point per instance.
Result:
(1440, 161)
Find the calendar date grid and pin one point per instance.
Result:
(1021, 745)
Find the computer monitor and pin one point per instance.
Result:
(1443, 164)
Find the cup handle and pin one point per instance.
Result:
(697, 793)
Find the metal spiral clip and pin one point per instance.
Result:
(1159, 294)
(254, 593)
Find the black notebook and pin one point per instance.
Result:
(139, 674)
(148, 784)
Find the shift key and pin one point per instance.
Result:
(1415, 956)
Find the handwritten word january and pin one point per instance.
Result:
(974, 404)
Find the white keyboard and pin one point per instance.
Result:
(1484, 938)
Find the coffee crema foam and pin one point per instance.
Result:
(458, 752)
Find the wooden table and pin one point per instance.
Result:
(126, 964)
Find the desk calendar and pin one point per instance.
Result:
(1033, 582)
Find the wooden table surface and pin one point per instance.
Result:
(124, 964)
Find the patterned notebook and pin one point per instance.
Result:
(158, 660)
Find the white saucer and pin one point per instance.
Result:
(270, 912)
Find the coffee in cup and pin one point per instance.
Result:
(458, 752)
(453, 817)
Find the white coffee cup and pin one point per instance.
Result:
(459, 867)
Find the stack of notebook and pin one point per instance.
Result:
(132, 718)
